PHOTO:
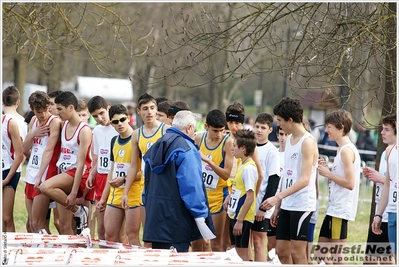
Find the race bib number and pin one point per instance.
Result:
(35, 161)
(104, 163)
(289, 179)
(120, 170)
(378, 190)
(209, 177)
(66, 162)
(233, 203)
(5, 161)
(394, 194)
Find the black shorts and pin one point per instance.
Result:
(293, 225)
(373, 238)
(48, 214)
(334, 228)
(271, 231)
(240, 241)
(262, 226)
(14, 180)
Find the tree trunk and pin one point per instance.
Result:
(389, 104)
(20, 63)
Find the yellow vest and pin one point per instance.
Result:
(238, 195)
(211, 180)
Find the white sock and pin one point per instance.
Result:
(78, 212)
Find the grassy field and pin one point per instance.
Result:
(357, 232)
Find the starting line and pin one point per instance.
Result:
(28, 249)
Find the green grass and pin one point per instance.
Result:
(20, 213)
(357, 230)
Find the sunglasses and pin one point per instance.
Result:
(122, 119)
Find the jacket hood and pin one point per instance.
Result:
(165, 149)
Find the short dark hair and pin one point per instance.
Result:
(11, 96)
(28, 116)
(236, 107)
(117, 109)
(96, 102)
(67, 98)
(278, 129)
(161, 99)
(264, 118)
(246, 138)
(38, 100)
(177, 106)
(144, 99)
(164, 106)
(216, 118)
(289, 108)
(54, 94)
(391, 120)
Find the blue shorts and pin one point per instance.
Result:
(392, 230)
(14, 180)
(311, 232)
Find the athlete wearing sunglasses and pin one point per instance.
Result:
(116, 121)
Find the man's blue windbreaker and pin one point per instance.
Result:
(174, 191)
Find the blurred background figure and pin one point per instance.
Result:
(132, 116)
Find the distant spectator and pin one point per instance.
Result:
(248, 124)
(367, 143)
(314, 130)
(274, 133)
(28, 116)
(352, 136)
(325, 140)
(131, 116)
(201, 124)
(360, 133)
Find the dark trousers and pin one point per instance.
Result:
(180, 247)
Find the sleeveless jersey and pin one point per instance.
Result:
(304, 199)
(211, 180)
(378, 186)
(70, 148)
(393, 178)
(239, 191)
(270, 163)
(7, 149)
(23, 130)
(281, 166)
(37, 150)
(343, 202)
(102, 136)
(145, 142)
(121, 156)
